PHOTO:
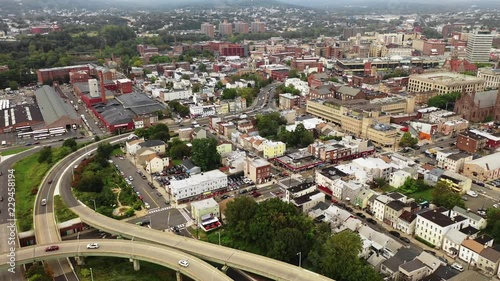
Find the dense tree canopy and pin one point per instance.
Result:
(180, 109)
(204, 154)
(157, 132)
(445, 197)
(445, 101)
(407, 140)
(178, 149)
(300, 137)
(269, 124)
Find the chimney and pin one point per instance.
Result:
(103, 90)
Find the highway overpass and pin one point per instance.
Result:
(133, 250)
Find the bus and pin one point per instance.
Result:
(24, 135)
(57, 133)
(41, 137)
(56, 129)
(24, 129)
(41, 131)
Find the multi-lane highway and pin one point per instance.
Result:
(5, 219)
(165, 256)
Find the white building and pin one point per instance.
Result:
(470, 250)
(406, 222)
(179, 94)
(475, 220)
(202, 110)
(376, 167)
(434, 224)
(197, 184)
(298, 84)
(398, 178)
(479, 45)
(452, 242)
(155, 164)
(378, 207)
(133, 145)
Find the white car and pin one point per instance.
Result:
(130, 178)
(93, 246)
(471, 193)
(457, 267)
(146, 204)
(183, 263)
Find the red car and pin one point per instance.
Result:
(52, 248)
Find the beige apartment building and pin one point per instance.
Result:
(445, 82)
(491, 77)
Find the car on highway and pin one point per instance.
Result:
(44, 202)
(405, 239)
(50, 181)
(183, 263)
(52, 248)
(93, 246)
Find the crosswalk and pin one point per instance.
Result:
(179, 227)
(152, 211)
(184, 212)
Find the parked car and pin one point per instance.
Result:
(52, 248)
(349, 209)
(457, 267)
(361, 215)
(225, 196)
(430, 252)
(372, 221)
(93, 246)
(405, 239)
(146, 205)
(183, 263)
(394, 233)
(471, 193)
(130, 178)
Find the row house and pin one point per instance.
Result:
(471, 249)
(423, 265)
(202, 110)
(329, 153)
(452, 161)
(406, 222)
(432, 225)
(331, 181)
(258, 170)
(471, 142)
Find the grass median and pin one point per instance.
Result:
(118, 269)
(63, 213)
(13, 151)
(29, 173)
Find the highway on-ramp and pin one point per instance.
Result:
(165, 256)
(257, 264)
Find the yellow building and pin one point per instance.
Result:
(445, 82)
(224, 148)
(383, 135)
(222, 108)
(273, 149)
(457, 182)
(331, 110)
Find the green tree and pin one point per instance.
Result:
(493, 223)
(445, 101)
(293, 73)
(71, 143)
(444, 196)
(229, 94)
(45, 155)
(178, 149)
(13, 85)
(269, 124)
(90, 182)
(239, 215)
(340, 259)
(204, 153)
(104, 150)
(202, 67)
(407, 140)
(196, 87)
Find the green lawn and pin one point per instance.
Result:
(63, 213)
(177, 161)
(29, 174)
(118, 269)
(424, 195)
(14, 151)
(117, 151)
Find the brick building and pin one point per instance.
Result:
(470, 142)
(48, 75)
(477, 107)
(231, 50)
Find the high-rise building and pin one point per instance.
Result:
(258, 27)
(241, 27)
(479, 45)
(225, 28)
(208, 29)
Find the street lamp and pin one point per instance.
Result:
(300, 258)
(91, 274)
(95, 208)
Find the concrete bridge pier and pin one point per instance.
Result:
(79, 260)
(137, 265)
(178, 275)
(224, 268)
